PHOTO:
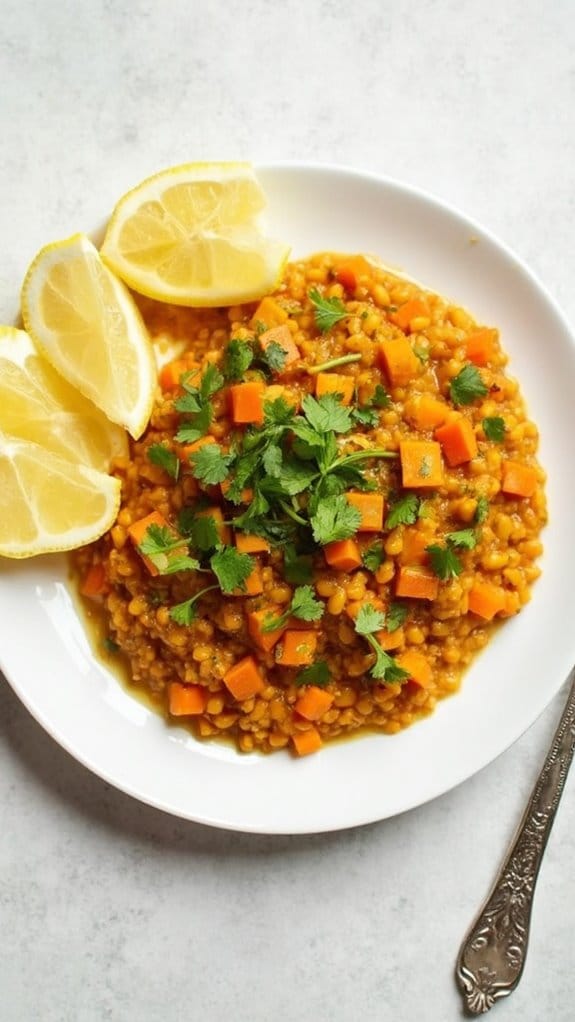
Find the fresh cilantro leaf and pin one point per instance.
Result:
(373, 557)
(403, 511)
(273, 460)
(182, 563)
(211, 382)
(158, 539)
(335, 519)
(385, 668)
(380, 397)
(210, 464)
(467, 386)
(160, 455)
(184, 613)
(189, 403)
(274, 356)
(196, 427)
(297, 567)
(481, 511)
(494, 428)
(395, 616)
(464, 538)
(365, 416)
(327, 311)
(304, 605)
(278, 412)
(444, 562)
(295, 477)
(315, 674)
(204, 533)
(327, 414)
(231, 568)
(369, 620)
(238, 357)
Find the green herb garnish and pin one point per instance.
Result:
(368, 621)
(327, 311)
(160, 455)
(467, 386)
(494, 428)
(315, 674)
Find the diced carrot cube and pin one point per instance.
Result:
(247, 543)
(155, 563)
(343, 555)
(186, 700)
(296, 648)
(416, 583)
(269, 312)
(421, 464)
(171, 374)
(244, 679)
(417, 666)
(371, 507)
(306, 742)
(94, 584)
(256, 620)
(519, 480)
(425, 411)
(349, 272)
(486, 599)
(281, 335)
(458, 441)
(313, 703)
(414, 546)
(253, 585)
(391, 640)
(247, 402)
(399, 361)
(413, 309)
(480, 346)
(335, 383)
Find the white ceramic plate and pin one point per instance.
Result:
(46, 655)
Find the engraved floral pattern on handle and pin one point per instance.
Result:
(493, 953)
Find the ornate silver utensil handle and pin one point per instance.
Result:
(493, 953)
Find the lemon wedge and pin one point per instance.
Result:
(48, 503)
(86, 323)
(37, 404)
(191, 235)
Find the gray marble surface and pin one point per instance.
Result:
(110, 910)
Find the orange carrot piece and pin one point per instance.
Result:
(391, 640)
(413, 550)
(409, 311)
(421, 464)
(398, 360)
(224, 531)
(426, 412)
(247, 543)
(254, 584)
(486, 599)
(269, 312)
(416, 583)
(306, 742)
(480, 346)
(458, 441)
(296, 648)
(518, 480)
(313, 703)
(171, 374)
(186, 700)
(247, 494)
(343, 555)
(335, 383)
(186, 450)
(94, 583)
(417, 666)
(137, 531)
(281, 335)
(349, 271)
(247, 403)
(353, 607)
(256, 620)
(244, 679)
(371, 507)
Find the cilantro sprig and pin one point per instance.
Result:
(444, 561)
(386, 669)
(314, 674)
(467, 386)
(327, 311)
(303, 605)
(159, 454)
(196, 404)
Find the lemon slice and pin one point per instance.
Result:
(37, 404)
(85, 322)
(48, 503)
(191, 236)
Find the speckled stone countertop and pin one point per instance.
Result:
(110, 910)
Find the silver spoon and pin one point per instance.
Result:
(493, 953)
